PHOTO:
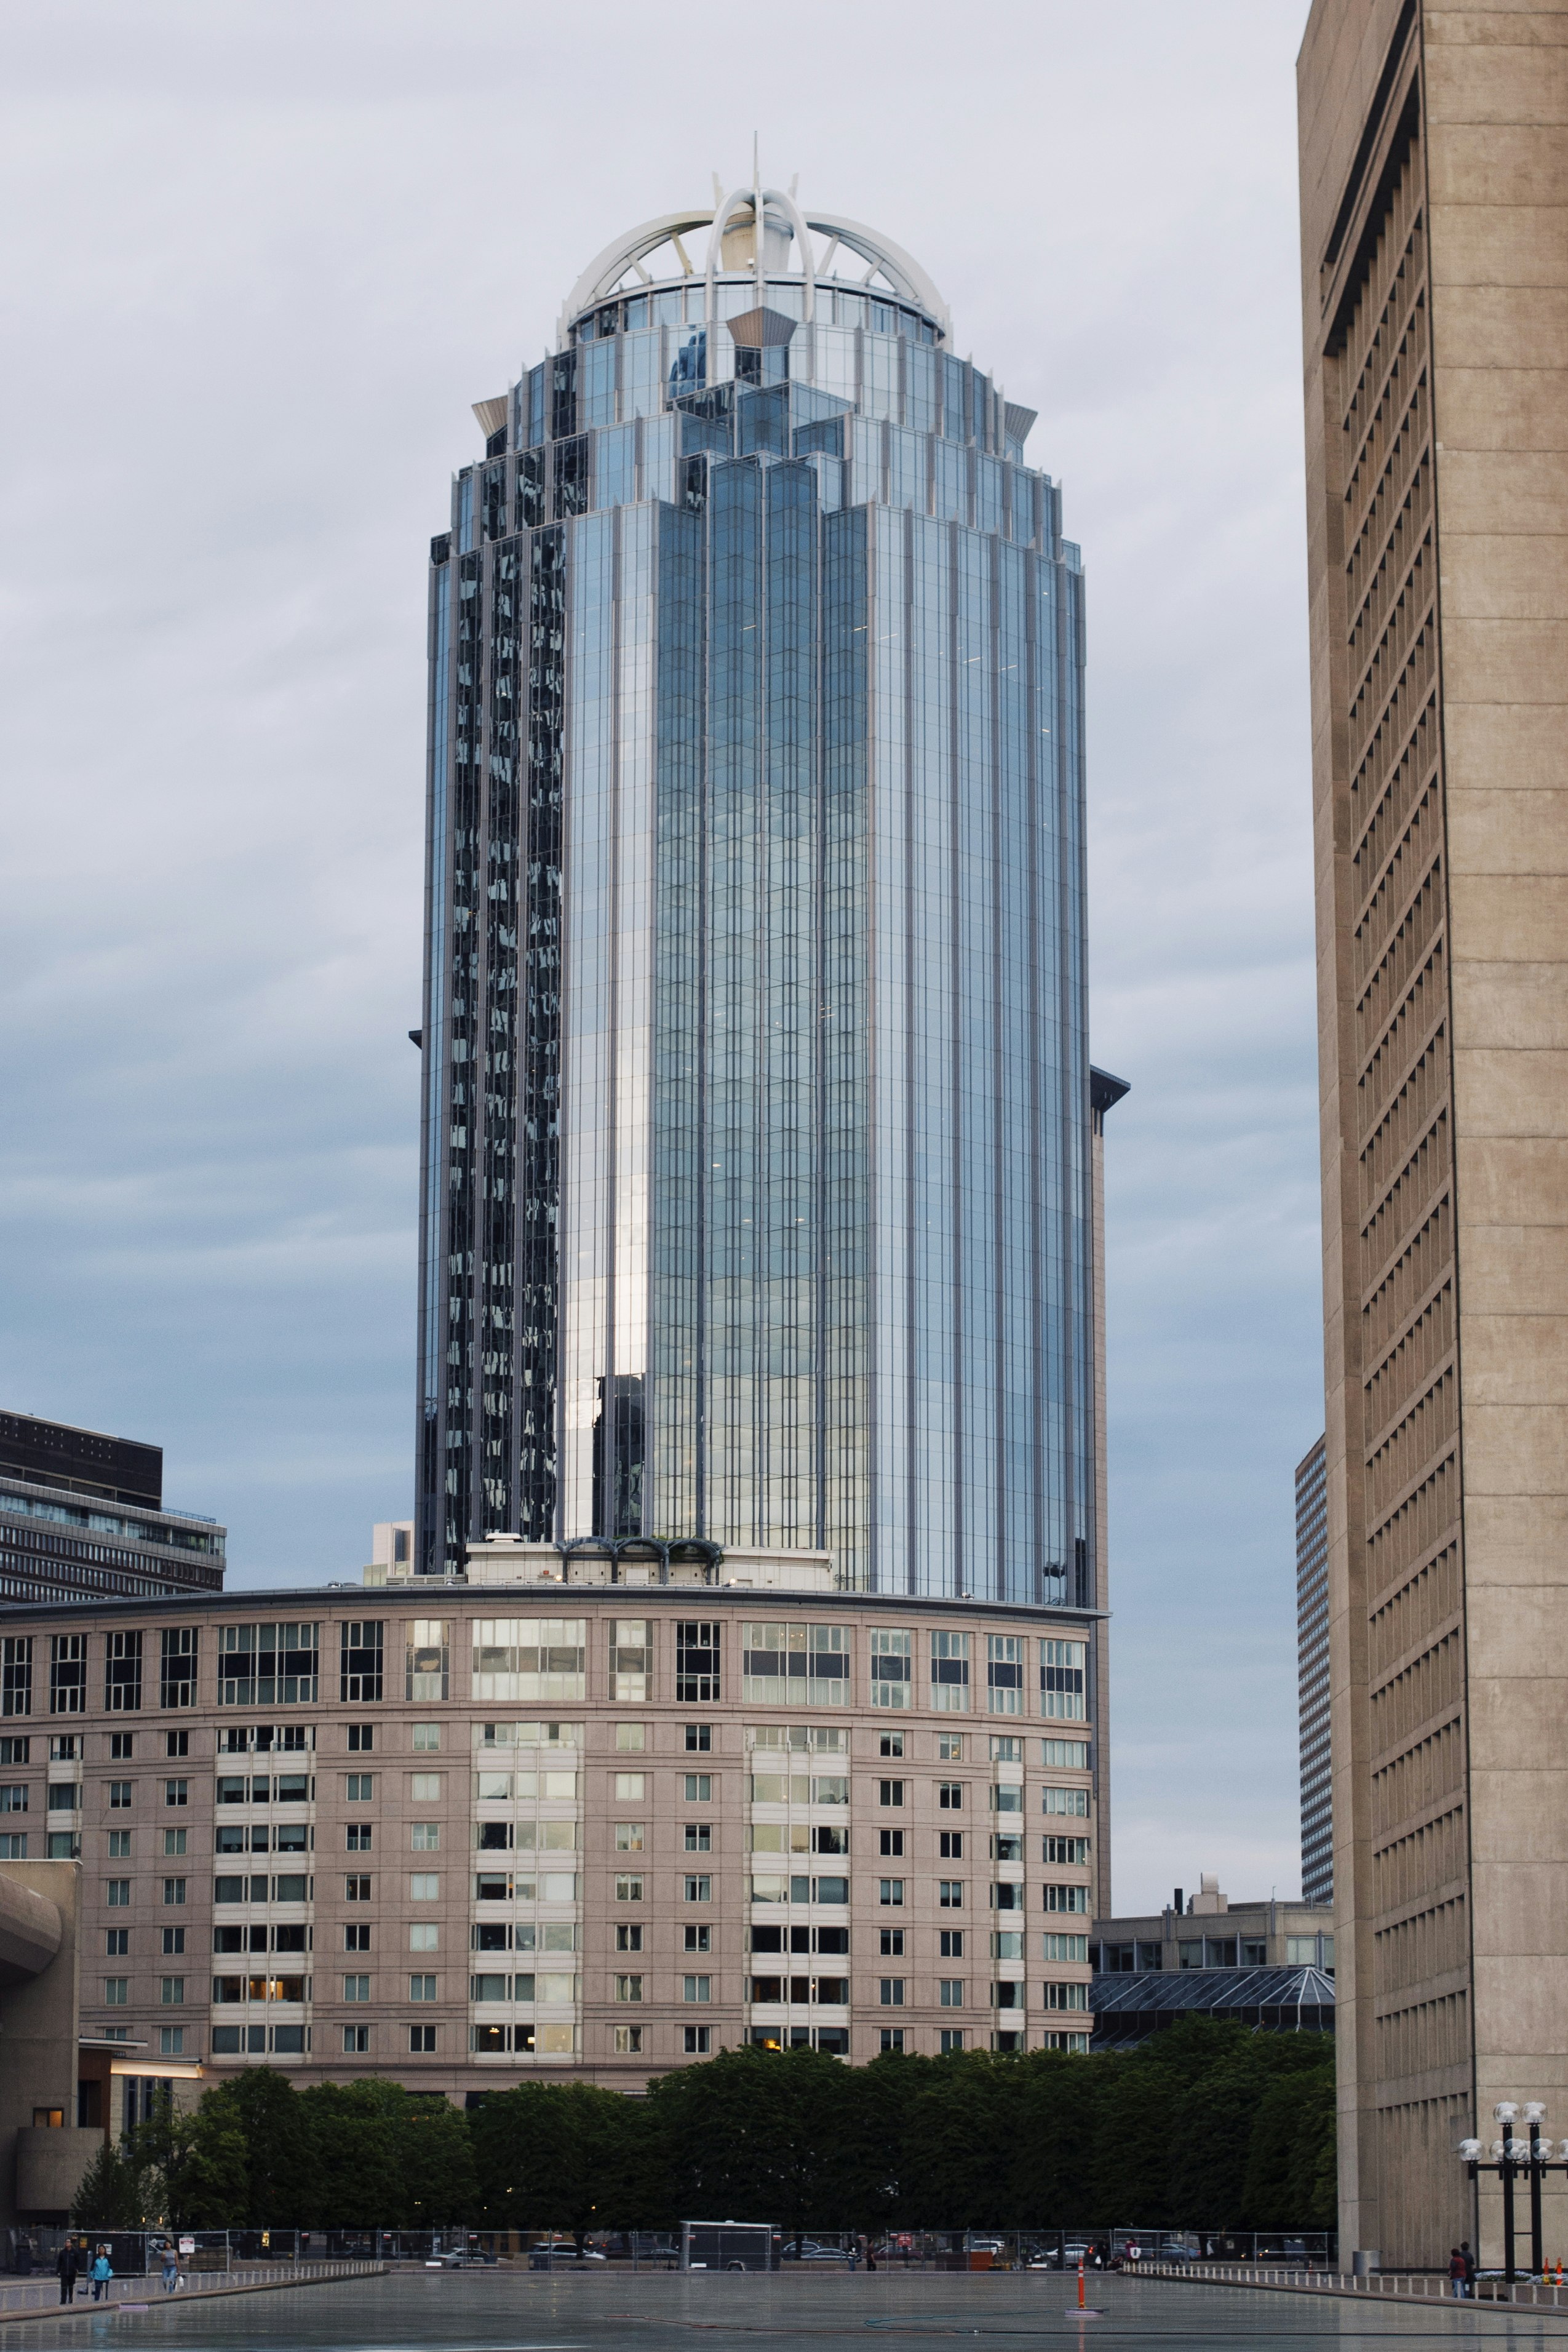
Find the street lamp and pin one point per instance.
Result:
(1508, 2159)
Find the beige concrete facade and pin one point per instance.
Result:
(1434, 266)
(586, 1829)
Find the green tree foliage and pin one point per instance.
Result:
(113, 2192)
(1207, 2126)
(568, 2157)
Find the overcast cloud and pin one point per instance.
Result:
(261, 257)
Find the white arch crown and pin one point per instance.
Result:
(779, 217)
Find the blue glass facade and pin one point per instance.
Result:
(757, 1169)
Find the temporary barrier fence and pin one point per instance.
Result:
(1418, 2286)
(136, 2254)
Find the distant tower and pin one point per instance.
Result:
(1313, 1675)
(758, 1131)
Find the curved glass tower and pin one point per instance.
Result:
(757, 1185)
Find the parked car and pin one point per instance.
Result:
(561, 2254)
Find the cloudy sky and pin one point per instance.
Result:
(262, 255)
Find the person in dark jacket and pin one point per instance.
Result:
(66, 2265)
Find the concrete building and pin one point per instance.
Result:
(62, 2092)
(392, 1559)
(758, 1118)
(1434, 155)
(1313, 1675)
(1207, 1930)
(82, 1516)
(1267, 1966)
(594, 1811)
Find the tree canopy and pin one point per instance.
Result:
(1207, 2126)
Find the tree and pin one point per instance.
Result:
(554, 2156)
(354, 2140)
(1293, 2130)
(438, 2181)
(113, 2193)
(760, 2135)
(282, 2184)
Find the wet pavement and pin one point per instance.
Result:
(516, 2311)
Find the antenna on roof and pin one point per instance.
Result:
(717, 190)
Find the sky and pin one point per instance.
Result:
(261, 257)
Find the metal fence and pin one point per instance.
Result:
(1418, 2286)
(138, 2254)
(41, 2292)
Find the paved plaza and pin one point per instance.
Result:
(503, 2311)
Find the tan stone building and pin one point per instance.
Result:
(1434, 264)
(597, 1813)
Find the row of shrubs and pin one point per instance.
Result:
(1207, 2126)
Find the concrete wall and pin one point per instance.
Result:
(38, 2029)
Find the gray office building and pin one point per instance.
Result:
(758, 1192)
(1313, 1675)
(82, 1518)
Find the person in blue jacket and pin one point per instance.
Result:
(102, 2271)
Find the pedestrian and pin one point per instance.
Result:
(1456, 2274)
(102, 2271)
(66, 2265)
(1469, 2266)
(171, 2269)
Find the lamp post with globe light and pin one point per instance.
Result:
(1510, 2160)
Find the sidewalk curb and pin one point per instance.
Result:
(1428, 2303)
(155, 2301)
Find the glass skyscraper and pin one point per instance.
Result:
(758, 1173)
